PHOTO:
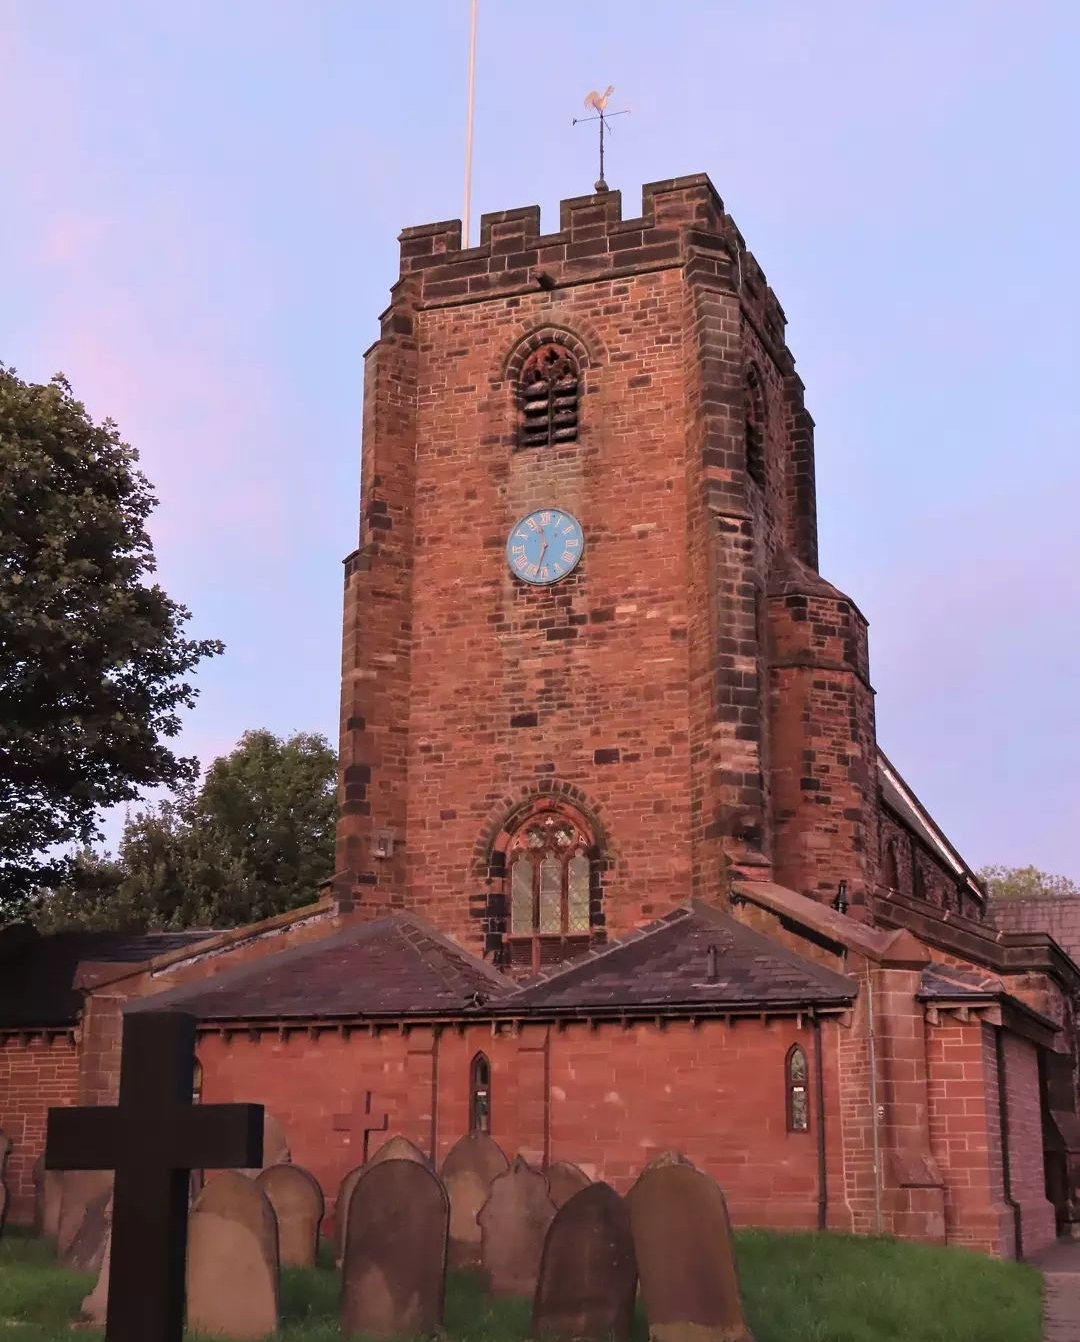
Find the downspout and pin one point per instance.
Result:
(823, 1187)
(436, 1034)
(547, 1096)
(874, 1120)
(1003, 1119)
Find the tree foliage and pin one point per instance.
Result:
(93, 658)
(256, 839)
(1025, 883)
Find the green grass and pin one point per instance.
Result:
(798, 1288)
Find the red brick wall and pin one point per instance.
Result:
(965, 1130)
(34, 1077)
(608, 1099)
(1026, 1172)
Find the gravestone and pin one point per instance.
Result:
(5, 1148)
(467, 1173)
(685, 1257)
(275, 1146)
(513, 1223)
(394, 1275)
(232, 1286)
(588, 1272)
(152, 1140)
(83, 1220)
(95, 1306)
(48, 1195)
(298, 1204)
(564, 1180)
(234, 1197)
(397, 1148)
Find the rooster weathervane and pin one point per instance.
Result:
(598, 103)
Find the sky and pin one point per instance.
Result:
(199, 207)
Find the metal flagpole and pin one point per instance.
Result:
(469, 124)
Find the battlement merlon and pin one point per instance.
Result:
(682, 220)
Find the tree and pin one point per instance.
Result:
(256, 839)
(1025, 883)
(92, 657)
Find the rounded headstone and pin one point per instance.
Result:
(394, 1274)
(513, 1223)
(564, 1180)
(235, 1197)
(232, 1287)
(588, 1272)
(397, 1148)
(467, 1173)
(297, 1201)
(84, 1218)
(685, 1257)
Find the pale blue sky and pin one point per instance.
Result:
(200, 207)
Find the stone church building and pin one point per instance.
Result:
(620, 865)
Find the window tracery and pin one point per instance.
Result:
(548, 397)
(549, 877)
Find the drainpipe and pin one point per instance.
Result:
(1003, 1118)
(874, 1119)
(823, 1188)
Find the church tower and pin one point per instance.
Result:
(589, 668)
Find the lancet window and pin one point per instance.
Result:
(754, 428)
(798, 1093)
(480, 1095)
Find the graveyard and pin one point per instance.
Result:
(798, 1288)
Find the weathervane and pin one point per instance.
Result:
(598, 102)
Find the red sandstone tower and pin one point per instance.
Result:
(538, 759)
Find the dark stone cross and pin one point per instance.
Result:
(153, 1139)
(361, 1121)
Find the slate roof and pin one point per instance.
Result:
(394, 966)
(667, 964)
(37, 972)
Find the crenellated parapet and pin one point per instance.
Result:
(682, 223)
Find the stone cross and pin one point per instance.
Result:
(152, 1139)
(361, 1121)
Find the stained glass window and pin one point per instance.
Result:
(550, 877)
(798, 1094)
(480, 1095)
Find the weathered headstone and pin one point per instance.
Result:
(467, 1173)
(152, 1140)
(394, 1275)
(397, 1148)
(235, 1197)
(83, 1221)
(588, 1272)
(275, 1146)
(564, 1180)
(685, 1257)
(48, 1195)
(513, 1223)
(298, 1204)
(95, 1306)
(5, 1148)
(232, 1287)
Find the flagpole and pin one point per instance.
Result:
(469, 123)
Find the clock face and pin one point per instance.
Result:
(545, 546)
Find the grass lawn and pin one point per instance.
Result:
(798, 1288)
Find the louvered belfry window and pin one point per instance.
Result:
(548, 392)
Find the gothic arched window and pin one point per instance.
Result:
(754, 427)
(548, 397)
(798, 1093)
(892, 869)
(549, 887)
(480, 1095)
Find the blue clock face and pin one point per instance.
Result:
(545, 546)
